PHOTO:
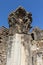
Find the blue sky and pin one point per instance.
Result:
(33, 6)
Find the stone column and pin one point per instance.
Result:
(17, 55)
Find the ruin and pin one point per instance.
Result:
(19, 46)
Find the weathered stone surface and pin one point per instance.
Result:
(19, 46)
(3, 45)
(18, 51)
(20, 20)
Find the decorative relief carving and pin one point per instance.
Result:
(20, 20)
(32, 42)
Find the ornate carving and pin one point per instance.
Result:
(32, 43)
(20, 20)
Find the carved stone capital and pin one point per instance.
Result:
(20, 20)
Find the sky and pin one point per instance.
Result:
(33, 6)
